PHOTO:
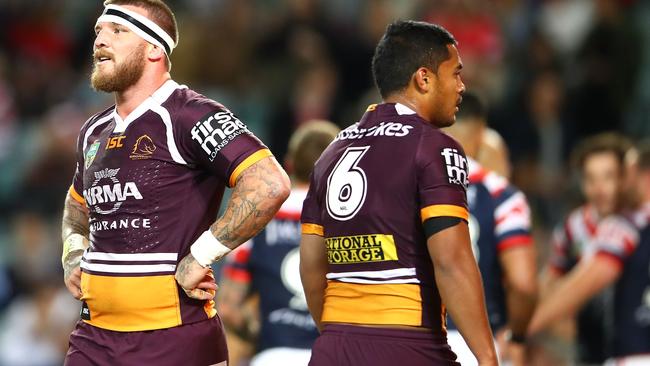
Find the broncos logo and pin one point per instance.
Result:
(143, 148)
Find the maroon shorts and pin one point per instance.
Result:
(196, 344)
(347, 345)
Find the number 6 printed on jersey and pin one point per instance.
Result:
(347, 185)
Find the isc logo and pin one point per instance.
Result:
(115, 142)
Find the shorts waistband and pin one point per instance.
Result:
(431, 337)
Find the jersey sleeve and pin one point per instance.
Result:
(77, 186)
(559, 260)
(310, 217)
(616, 237)
(442, 177)
(512, 220)
(237, 265)
(213, 138)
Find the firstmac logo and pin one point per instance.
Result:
(456, 165)
(216, 130)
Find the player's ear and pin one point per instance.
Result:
(154, 53)
(424, 79)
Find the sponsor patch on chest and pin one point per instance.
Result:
(91, 153)
(106, 193)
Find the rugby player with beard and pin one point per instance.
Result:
(139, 231)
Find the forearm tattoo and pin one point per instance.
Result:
(75, 221)
(257, 196)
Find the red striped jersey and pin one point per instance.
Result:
(574, 239)
(631, 250)
(499, 220)
(583, 235)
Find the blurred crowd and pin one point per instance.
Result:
(552, 71)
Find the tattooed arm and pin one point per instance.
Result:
(74, 234)
(258, 194)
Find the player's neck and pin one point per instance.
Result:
(408, 100)
(646, 199)
(402, 99)
(128, 100)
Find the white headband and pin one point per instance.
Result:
(140, 25)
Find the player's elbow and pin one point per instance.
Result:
(278, 186)
(284, 186)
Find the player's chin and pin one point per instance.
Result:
(446, 122)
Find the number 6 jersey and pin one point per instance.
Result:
(370, 192)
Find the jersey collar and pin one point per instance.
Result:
(158, 97)
(402, 110)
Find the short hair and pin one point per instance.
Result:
(159, 13)
(643, 153)
(471, 107)
(405, 47)
(607, 142)
(307, 144)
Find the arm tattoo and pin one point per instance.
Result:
(75, 219)
(258, 194)
(183, 267)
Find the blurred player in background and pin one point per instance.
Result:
(622, 259)
(600, 160)
(493, 154)
(139, 226)
(500, 225)
(267, 266)
(385, 250)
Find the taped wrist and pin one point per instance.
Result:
(73, 243)
(207, 249)
(435, 225)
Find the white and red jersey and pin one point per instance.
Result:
(584, 235)
(499, 220)
(574, 239)
(626, 240)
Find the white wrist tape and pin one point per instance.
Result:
(72, 243)
(207, 249)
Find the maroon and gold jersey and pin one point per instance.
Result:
(370, 192)
(153, 183)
